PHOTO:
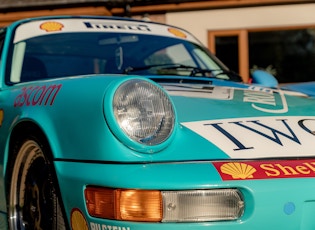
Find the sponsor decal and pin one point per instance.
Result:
(51, 26)
(37, 95)
(177, 32)
(1, 116)
(200, 91)
(266, 100)
(95, 226)
(103, 25)
(68, 25)
(78, 221)
(258, 137)
(252, 170)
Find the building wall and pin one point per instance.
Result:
(9, 17)
(200, 22)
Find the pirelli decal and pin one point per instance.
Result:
(253, 170)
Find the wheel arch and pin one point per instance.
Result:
(24, 129)
(21, 132)
(18, 133)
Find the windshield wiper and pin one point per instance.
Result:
(165, 66)
(216, 72)
(211, 73)
(170, 66)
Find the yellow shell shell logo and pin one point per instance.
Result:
(177, 32)
(238, 170)
(78, 221)
(51, 26)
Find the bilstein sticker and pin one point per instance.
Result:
(96, 226)
(251, 170)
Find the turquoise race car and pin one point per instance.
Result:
(117, 124)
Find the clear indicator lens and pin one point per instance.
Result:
(202, 205)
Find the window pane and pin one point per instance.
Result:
(288, 54)
(226, 49)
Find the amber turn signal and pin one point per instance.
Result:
(124, 204)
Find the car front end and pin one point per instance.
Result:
(126, 125)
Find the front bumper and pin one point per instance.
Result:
(269, 203)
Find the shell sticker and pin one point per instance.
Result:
(238, 170)
(177, 32)
(78, 220)
(273, 169)
(51, 26)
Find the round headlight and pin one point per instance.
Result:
(143, 111)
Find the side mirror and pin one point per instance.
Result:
(264, 78)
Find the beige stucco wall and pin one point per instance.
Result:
(199, 22)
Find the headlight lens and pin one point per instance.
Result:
(143, 111)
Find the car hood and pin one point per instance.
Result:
(212, 122)
(307, 88)
(247, 123)
(202, 102)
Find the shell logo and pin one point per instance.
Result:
(51, 26)
(238, 170)
(177, 33)
(78, 221)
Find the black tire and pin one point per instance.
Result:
(33, 199)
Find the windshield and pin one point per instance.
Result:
(82, 53)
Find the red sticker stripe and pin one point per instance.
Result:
(251, 170)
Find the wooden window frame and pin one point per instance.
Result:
(243, 46)
(243, 56)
